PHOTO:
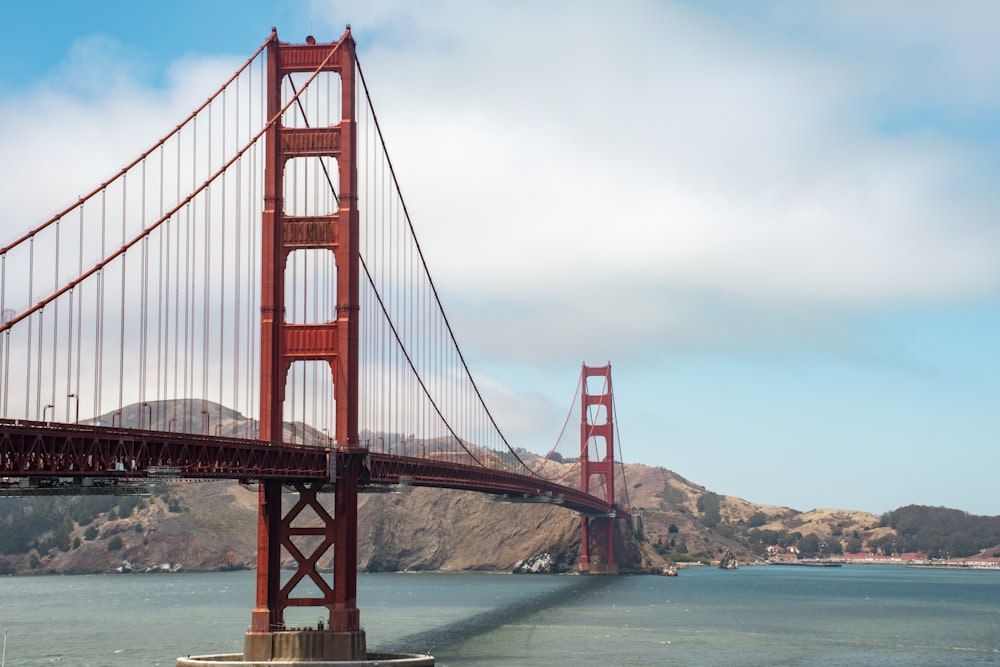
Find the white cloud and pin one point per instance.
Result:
(94, 114)
(658, 168)
(646, 165)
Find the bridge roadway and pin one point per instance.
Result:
(50, 450)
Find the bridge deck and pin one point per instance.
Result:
(49, 449)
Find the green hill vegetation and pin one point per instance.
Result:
(939, 532)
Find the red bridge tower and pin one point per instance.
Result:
(598, 532)
(334, 342)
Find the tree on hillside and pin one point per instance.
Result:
(942, 532)
(808, 546)
(885, 545)
(709, 506)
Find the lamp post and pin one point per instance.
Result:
(148, 407)
(69, 396)
(205, 422)
(45, 410)
(119, 415)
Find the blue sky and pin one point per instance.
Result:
(778, 220)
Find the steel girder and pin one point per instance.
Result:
(388, 469)
(72, 450)
(50, 449)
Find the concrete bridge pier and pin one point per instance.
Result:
(308, 647)
(304, 644)
(373, 660)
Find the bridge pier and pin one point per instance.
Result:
(305, 645)
(370, 660)
(598, 546)
(341, 637)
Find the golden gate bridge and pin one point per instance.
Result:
(261, 256)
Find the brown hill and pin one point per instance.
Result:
(211, 526)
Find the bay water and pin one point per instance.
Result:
(854, 615)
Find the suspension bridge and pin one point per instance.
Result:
(260, 255)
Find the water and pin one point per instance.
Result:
(856, 615)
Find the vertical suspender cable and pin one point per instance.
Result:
(99, 339)
(79, 319)
(188, 326)
(207, 277)
(384, 339)
(31, 323)
(176, 280)
(55, 326)
(39, 410)
(366, 360)
(70, 351)
(189, 287)
(162, 295)
(252, 342)
(121, 331)
(143, 301)
(222, 272)
(238, 245)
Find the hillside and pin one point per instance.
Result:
(198, 526)
(211, 526)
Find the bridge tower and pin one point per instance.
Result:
(336, 343)
(598, 532)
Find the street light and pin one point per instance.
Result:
(119, 415)
(69, 396)
(45, 409)
(205, 422)
(150, 408)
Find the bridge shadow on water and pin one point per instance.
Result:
(458, 632)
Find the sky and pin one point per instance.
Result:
(778, 221)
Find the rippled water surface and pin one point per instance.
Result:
(855, 615)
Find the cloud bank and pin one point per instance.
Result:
(672, 175)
